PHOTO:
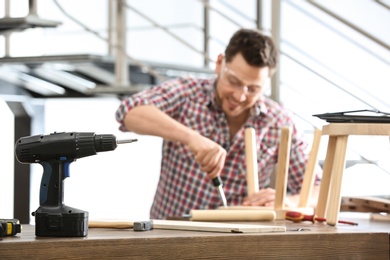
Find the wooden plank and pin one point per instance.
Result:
(215, 226)
(365, 204)
(380, 217)
(356, 129)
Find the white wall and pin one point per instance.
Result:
(119, 184)
(6, 161)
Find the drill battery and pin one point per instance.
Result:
(9, 227)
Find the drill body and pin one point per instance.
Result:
(55, 152)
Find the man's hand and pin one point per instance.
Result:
(210, 155)
(264, 197)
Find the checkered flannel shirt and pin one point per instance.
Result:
(182, 185)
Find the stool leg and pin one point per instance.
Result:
(252, 173)
(282, 168)
(309, 177)
(336, 180)
(326, 175)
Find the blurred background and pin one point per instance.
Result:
(65, 66)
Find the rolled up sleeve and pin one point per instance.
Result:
(167, 97)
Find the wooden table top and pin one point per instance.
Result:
(368, 240)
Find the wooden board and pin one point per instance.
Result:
(356, 129)
(365, 204)
(381, 217)
(215, 226)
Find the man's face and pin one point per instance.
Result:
(239, 85)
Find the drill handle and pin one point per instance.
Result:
(52, 183)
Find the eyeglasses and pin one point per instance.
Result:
(231, 79)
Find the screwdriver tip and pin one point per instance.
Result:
(125, 141)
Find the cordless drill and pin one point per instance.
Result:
(55, 152)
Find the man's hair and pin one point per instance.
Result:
(257, 49)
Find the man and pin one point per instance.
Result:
(202, 123)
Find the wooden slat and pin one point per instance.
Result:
(365, 204)
(215, 226)
(356, 129)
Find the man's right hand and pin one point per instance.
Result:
(210, 155)
(150, 120)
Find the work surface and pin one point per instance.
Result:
(368, 240)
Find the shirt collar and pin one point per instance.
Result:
(259, 108)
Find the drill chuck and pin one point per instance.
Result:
(105, 143)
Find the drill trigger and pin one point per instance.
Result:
(66, 166)
(66, 170)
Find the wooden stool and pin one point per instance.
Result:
(330, 190)
(282, 171)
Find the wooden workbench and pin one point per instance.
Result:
(368, 240)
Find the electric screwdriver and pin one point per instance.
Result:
(55, 152)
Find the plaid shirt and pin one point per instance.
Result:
(182, 185)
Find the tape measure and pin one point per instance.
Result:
(9, 227)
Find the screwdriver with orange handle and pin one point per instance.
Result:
(298, 217)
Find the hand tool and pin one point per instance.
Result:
(298, 217)
(55, 152)
(9, 227)
(217, 182)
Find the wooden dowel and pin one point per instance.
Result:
(110, 224)
(232, 215)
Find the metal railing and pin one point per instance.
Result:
(117, 7)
